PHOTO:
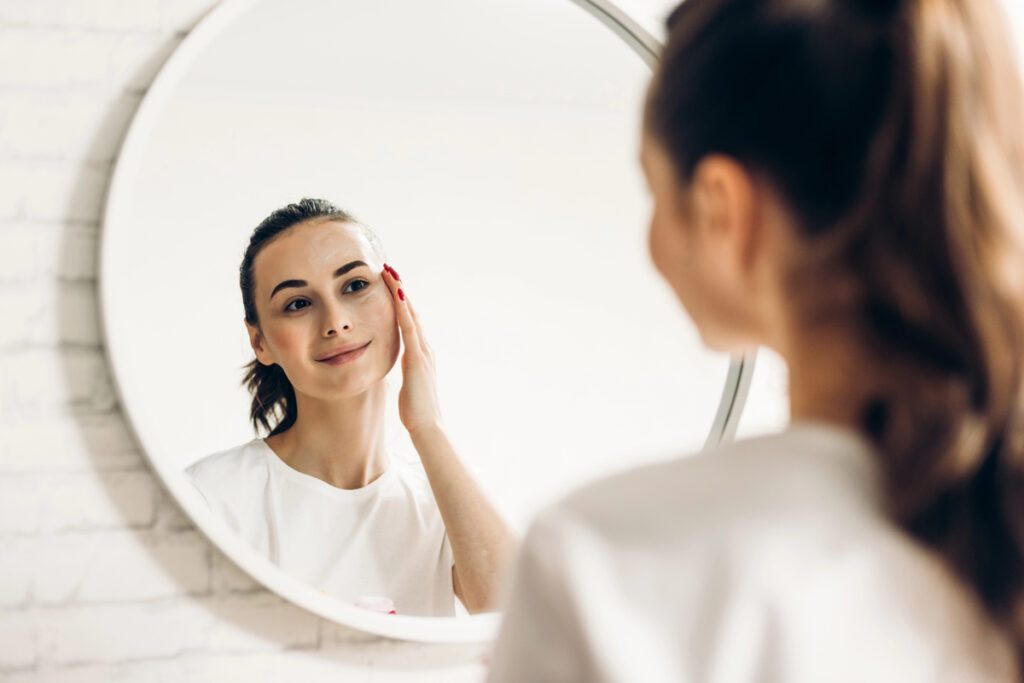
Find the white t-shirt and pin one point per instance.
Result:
(384, 539)
(769, 559)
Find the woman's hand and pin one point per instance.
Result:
(418, 406)
(480, 540)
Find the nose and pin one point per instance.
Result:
(336, 319)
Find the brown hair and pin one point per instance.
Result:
(892, 130)
(273, 397)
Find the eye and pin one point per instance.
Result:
(293, 307)
(364, 284)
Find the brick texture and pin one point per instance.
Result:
(102, 577)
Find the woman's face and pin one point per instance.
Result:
(319, 290)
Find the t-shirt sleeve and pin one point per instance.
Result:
(193, 477)
(582, 607)
(215, 479)
(540, 639)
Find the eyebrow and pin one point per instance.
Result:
(302, 283)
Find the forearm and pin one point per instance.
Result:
(480, 539)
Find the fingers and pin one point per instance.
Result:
(406, 321)
(417, 332)
(419, 329)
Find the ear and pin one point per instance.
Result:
(725, 199)
(258, 345)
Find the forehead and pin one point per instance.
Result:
(309, 250)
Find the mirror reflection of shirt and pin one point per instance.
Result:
(386, 538)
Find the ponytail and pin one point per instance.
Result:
(272, 397)
(941, 250)
(893, 130)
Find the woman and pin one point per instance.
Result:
(322, 496)
(841, 181)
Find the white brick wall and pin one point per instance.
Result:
(101, 577)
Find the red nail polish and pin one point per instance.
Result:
(394, 273)
(401, 294)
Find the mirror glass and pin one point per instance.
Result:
(492, 145)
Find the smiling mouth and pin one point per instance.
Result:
(344, 356)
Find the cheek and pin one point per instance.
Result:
(390, 335)
(664, 243)
(384, 318)
(676, 259)
(284, 339)
(656, 246)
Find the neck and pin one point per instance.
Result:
(342, 442)
(831, 374)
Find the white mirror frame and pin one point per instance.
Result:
(476, 628)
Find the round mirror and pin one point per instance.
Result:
(492, 145)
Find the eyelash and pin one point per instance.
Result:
(289, 309)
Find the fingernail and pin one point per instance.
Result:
(401, 294)
(394, 273)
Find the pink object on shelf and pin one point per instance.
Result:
(376, 603)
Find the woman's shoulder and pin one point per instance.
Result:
(232, 464)
(409, 478)
(786, 532)
(795, 522)
(808, 470)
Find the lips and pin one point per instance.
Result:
(339, 350)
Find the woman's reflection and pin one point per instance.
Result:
(323, 496)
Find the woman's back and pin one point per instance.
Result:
(769, 559)
(841, 181)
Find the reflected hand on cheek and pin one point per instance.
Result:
(418, 405)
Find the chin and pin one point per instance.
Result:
(346, 384)
(362, 379)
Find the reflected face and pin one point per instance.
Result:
(319, 291)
